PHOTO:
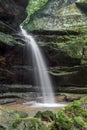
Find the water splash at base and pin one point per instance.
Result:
(45, 105)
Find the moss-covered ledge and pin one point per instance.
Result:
(8, 40)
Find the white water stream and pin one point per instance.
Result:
(40, 72)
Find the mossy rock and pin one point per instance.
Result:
(60, 14)
(32, 7)
(68, 48)
(7, 40)
(7, 116)
(45, 116)
(19, 114)
(27, 124)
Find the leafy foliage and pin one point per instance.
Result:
(73, 117)
(63, 122)
(80, 123)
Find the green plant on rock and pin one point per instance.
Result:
(33, 6)
(62, 122)
(79, 123)
(73, 117)
(75, 109)
(45, 116)
(8, 39)
(19, 114)
(27, 124)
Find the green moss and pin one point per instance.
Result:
(19, 114)
(27, 124)
(32, 7)
(79, 28)
(71, 45)
(80, 123)
(45, 116)
(73, 117)
(53, 17)
(8, 39)
(63, 121)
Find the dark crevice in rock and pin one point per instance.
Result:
(51, 32)
(11, 13)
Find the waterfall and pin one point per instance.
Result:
(40, 67)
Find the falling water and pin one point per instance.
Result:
(41, 68)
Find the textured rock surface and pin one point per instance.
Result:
(12, 13)
(60, 14)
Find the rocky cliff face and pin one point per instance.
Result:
(12, 13)
(61, 14)
(60, 30)
(61, 26)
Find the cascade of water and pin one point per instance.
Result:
(41, 69)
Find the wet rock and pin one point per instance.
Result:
(71, 99)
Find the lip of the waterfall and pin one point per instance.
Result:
(21, 27)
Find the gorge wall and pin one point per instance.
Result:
(60, 29)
